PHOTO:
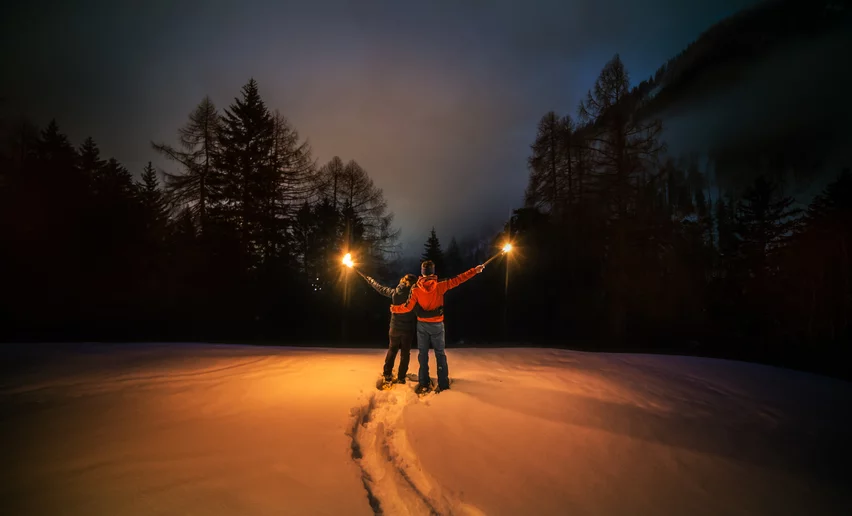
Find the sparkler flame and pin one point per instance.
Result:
(507, 248)
(347, 260)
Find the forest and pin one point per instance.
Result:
(618, 245)
(640, 250)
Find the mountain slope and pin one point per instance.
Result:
(764, 91)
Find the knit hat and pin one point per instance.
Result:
(427, 268)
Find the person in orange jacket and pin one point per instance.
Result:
(403, 327)
(428, 292)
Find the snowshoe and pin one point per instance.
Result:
(422, 390)
(384, 383)
(439, 389)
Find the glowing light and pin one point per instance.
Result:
(507, 248)
(347, 260)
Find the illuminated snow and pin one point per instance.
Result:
(202, 429)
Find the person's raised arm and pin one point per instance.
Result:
(452, 283)
(385, 291)
(408, 305)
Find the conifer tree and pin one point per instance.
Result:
(764, 221)
(152, 199)
(432, 251)
(248, 176)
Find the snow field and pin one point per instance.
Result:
(208, 429)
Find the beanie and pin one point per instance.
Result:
(427, 268)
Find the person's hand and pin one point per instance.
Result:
(480, 268)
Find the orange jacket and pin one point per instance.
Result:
(429, 294)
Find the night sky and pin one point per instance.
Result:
(437, 100)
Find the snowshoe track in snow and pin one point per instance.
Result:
(395, 482)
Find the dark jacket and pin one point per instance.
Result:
(399, 295)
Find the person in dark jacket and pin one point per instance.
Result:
(401, 333)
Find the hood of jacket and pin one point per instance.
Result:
(428, 283)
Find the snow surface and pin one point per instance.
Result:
(129, 429)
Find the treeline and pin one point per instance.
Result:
(627, 250)
(243, 241)
(617, 246)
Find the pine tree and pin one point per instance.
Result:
(152, 227)
(149, 182)
(624, 149)
(432, 251)
(54, 148)
(61, 191)
(623, 156)
(113, 183)
(248, 177)
(152, 199)
(289, 183)
(56, 171)
(293, 162)
(114, 205)
(831, 210)
(49, 223)
(90, 161)
(764, 221)
(195, 187)
(545, 164)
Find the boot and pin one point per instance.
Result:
(422, 389)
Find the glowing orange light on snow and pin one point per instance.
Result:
(347, 260)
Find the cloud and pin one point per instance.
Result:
(792, 102)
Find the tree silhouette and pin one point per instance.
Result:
(248, 178)
(816, 270)
(90, 161)
(623, 153)
(195, 188)
(244, 241)
(764, 220)
(152, 199)
(432, 251)
(350, 190)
